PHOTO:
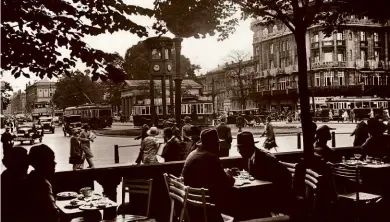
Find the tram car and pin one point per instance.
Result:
(200, 111)
(97, 116)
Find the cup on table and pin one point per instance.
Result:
(244, 174)
(357, 156)
(86, 191)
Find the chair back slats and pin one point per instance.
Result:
(350, 173)
(138, 186)
(290, 166)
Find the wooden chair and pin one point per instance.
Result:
(309, 199)
(290, 166)
(187, 196)
(137, 186)
(350, 175)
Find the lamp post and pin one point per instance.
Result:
(160, 67)
(178, 80)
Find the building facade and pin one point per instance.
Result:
(353, 61)
(17, 103)
(224, 85)
(138, 91)
(39, 97)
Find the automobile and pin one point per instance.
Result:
(47, 123)
(29, 131)
(71, 123)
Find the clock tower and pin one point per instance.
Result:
(160, 67)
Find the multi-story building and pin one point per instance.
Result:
(39, 97)
(223, 84)
(17, 103)
(353, 61)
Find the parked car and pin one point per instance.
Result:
(29, 131)
(47, 123)
(71, 123)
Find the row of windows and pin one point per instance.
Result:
(348, 105)
(96, 113)
(202, 108)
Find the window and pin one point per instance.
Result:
(317, 80)
(362, 36)
(341, 78)
(271, 49)
(375, 79)
(282, 83)
(328, 78)
(315, 38)
(340, 56)
(287, 45)
(316, 56)
(284, 47)
(257, 50)
(376, 55)
(328, 56)
(340, 36)
(350, 54)
(363, 55)
(272, 64)
(328, 38)
(376, 37)
(350, 36)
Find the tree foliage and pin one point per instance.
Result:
(239, 70)
(6, 91)
(34, 33)
(77, 89)
(136, 63)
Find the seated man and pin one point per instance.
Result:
(12, 180)
(378, 144)
(40, 202)
(203, 169)
(264, 166)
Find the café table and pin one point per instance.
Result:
(69, 213)
(253, 199)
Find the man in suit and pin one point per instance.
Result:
(186, 134)
(225, 137)
(262, 165)
(203, 168)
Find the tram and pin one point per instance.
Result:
(361, 106)
(97, 116)
(200, 111)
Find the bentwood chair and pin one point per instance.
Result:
(139, 187)
(191, 197)
(347, 180)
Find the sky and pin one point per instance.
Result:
(207, 52)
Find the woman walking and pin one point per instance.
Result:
(143, 135)
(76, 152)
(85, 143)
(149, 147)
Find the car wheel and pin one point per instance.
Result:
(21, 142)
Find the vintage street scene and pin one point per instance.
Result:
(195, 110)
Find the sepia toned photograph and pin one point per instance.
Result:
(195, 111)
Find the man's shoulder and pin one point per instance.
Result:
(259, 153)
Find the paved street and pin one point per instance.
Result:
(103, 147)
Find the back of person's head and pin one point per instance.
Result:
(222, 119)
(245, 144)
(41, 157)
(75, 133)
(269, 119)
(16, 160)
(168, 132)
(210, 140)
(375, 127)
(195, 132)
(323, 133)
(86, 127)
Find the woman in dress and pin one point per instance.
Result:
(143, 135)
(149, 146)
(85, 143)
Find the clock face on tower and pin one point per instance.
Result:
(156, 68)
(169, 67)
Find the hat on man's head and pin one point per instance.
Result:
(222, 119)
(322, 131)
(208, 137)
(245, 139)
(153, 131)
(187, 119)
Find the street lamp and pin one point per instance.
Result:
(160, 67)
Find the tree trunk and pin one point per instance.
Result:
(306, 120)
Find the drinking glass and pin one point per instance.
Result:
(245, 174)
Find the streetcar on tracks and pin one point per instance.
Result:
(97, 116)
(200, 111)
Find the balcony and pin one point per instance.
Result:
(370, 64)
(315, 45)
(377, 44)
(328, 43)
(363, 44)
(356, 21)
(323, 65)
(273, 71)
(340, 43)
(291, 69)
